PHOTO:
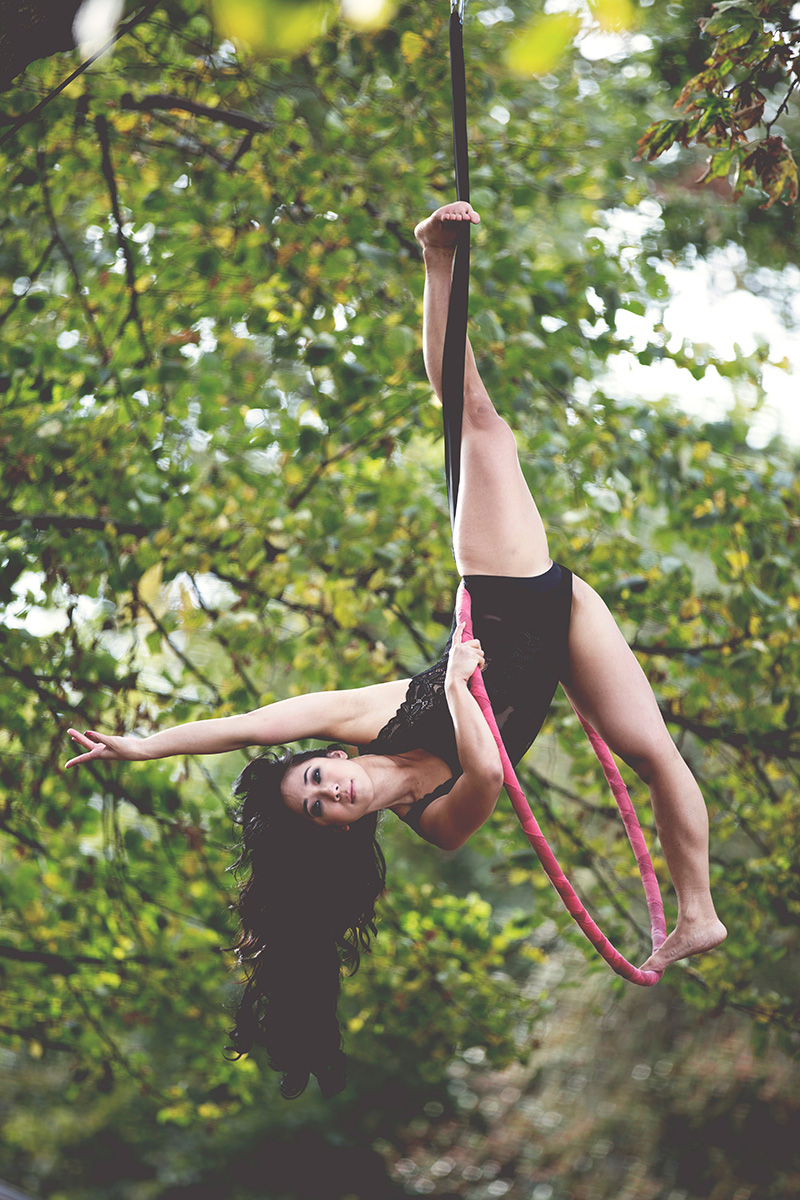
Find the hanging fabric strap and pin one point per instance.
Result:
(452, 413)
(455, 342)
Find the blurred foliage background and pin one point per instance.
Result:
(222, 485)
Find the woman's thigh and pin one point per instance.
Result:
(498, 530)
(609, 688)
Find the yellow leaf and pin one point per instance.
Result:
(738, 560)
(263, 295)
(35, 1049)
(222, 236)
(282, 28)
(209, 1111)
(108, 979)
(613, 14)
(124, 122)
(75, 89)
(538, 49)
(150, 584)
(411, 46)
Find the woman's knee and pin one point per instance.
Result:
(653, 757)
(480, 416)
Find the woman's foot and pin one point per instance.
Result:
(439, 231)
(689, 937)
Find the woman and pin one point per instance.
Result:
(428, 753)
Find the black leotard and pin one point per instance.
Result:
(522, 625)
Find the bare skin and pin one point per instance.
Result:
(499, 531)
(334, 790)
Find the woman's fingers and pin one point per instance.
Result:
(95, 744)
(88, 757)
(82, 758)
(83, 739)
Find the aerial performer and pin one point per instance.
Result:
(313, 863)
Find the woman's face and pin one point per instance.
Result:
(330, 790)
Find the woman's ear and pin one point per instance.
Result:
(341, 828)
(337, 754)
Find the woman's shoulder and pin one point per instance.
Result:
(362, 713)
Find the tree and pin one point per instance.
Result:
(222, 485)
(754, 61)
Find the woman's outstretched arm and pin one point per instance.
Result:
(355, 716)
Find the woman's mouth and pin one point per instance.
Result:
(352, 792)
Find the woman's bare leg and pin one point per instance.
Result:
(498, 530)
(610, 689)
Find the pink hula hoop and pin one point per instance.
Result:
(547, 858)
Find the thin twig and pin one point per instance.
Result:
(176, 650)
(223, 641)
(194, 144)
(768, 124)
(133, 314)
(34, 275)
(103, 350)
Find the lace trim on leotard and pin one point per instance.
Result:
(423, 721)
(522, 624)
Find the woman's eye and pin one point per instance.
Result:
(316, 775)
(316, 809)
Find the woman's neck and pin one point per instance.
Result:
(400, 779)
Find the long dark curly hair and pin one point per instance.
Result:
(307, 908)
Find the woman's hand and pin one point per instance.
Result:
(105, 746)
(464, 657)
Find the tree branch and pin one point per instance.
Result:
(777, 743)
(34, 275)
(192, 144)
(26, 676)
(784, 105)
(36, 1035)
(198, 674)
(104, 352)
(102, 348)
(591, 860)
(223, 641)
(31, 843)
(68, 524)
(676, 651)
(121, 31)
(59, 965)
(133, 314)
(236, 120)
